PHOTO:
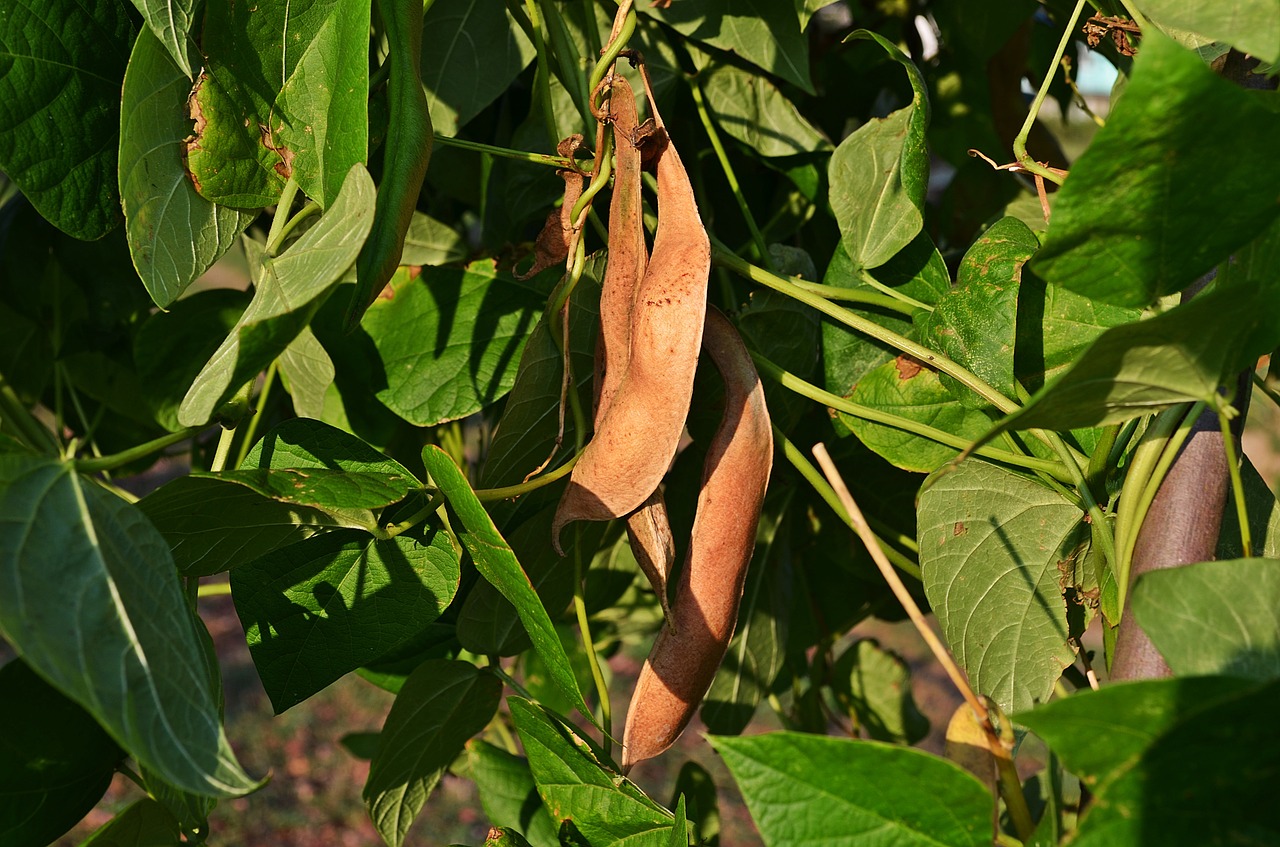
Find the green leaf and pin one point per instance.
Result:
(1180, 356)
(442, 704)
(449, 340)
(432, 242)
(61, 63)
(1142, 194)
(680, 830)
(317, 610)
(324, 488)
(471, 52)
(508, 793)
(786, 332)
(904, 388)
(991, 547)
(126, 650)
(174, 233)
(697, 789)
(1262, 511)
(750, 108)
(171, 347)
(530, 418)
(758, 649)
(602, 808)
(146, 823)
(289, 290)
(809, 789)
(170, 22)
(497, 564)
(1251, 26)
(875, 685)
(1168, 761)
(973, 324)
(55, 761)
(308, 372)
(764, 33)
(283, 94)
(505, 837)
(879, 174)
(1214, 617)
(212, 526)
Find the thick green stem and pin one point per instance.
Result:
(1020, 141)
(225, 437)
(813, 392)
(865, 276)
(392, 530)
(858, 295)
(504, 152)
(133, 454)
(281, 217)
(488, 495)
(615, 46)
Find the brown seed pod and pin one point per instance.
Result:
(637, 436)
(685, 655)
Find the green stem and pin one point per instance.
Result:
(504, 152)
(281, 217)
(1099, 465)
(1237, 484)
(865, 276)
(813, 392)
(1265, 387)
(1101, 529)
(252, 429)
(305, 212)
(214, 589)
(571, 65)
(721, 255)
(588, 643)
(1020, 141)
(1134, 14)
(220, 456)
(542, 76)
(133, 777)
(612, 50)
(133, 454)
(761, 249)
(14, 412)
(392, 530)
(488, 495)
(812, 475)
(511, 681)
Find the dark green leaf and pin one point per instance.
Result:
(698, 790)
(288, 292)
(170, 22)
(449, 340)
(174, 233)
(127, 649)
(1262, 511)
(497, 564)
(282, 95)
(764, 33)
(1252, 26)
(750, 108)
(809, 789)
(505, 837)
(144, 824)
(55, 761)
(323, 488)
(319, 609)
(994, 548)
(1175, 762)
(471, 52)
(61, 63)
(875, 685)
(604, 809)
(1168, 188)
(508, 793)
(1214, 617)
(879, 175)
(442, 704)
(786, 332)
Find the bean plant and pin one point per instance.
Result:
(317, 261)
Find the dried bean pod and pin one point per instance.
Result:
(685, 656)
(552, 246)
(636, 438)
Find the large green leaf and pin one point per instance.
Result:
(1174, 762)
(764, 33)
(289, 290)
(879, 175)
(170, 22)
(905, 388)
(146, 823)
(875, 685)
(324, 488)
(174, 233)
(974, 324)
(750, 108)
(1168, 188)
(283, 95)
(1252, 26)
(991, 547)
(471, 52)
(126, 649)
(600, 807)
(508, 793)
(441, 705)
(810, 790)
(449, 340)
(317, 610)
(55, 761)
(61, 63)
(1179, 356)
(497, 564)
(1214, 617)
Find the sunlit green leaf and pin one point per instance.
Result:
(508, 794)
(170, 22)
(307, 372)
(750, 108)
(1252, 26)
